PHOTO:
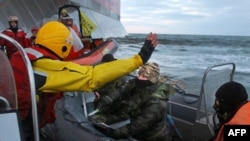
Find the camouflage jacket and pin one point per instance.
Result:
(109, 93)
(147, 111)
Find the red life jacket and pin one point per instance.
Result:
(46, 101)
(240, 118)
(19, 36)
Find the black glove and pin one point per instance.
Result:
(146, 50)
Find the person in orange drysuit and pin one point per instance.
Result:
(32, 38)
(16, 33)
(232, 107)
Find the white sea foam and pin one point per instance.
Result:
(188, 56)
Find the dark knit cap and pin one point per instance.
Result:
(108, 58)
(232, 93)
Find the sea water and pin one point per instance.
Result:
(185, 57)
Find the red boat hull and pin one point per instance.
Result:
(95, 55)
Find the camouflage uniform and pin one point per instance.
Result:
(109, 93)
(146, 108)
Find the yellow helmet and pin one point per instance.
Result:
(58, 38)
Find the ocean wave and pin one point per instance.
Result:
(187, 56)
(192, 40)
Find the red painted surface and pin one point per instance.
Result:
(96, 55)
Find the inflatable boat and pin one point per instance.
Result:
(190, 114)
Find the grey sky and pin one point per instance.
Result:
(209, 17)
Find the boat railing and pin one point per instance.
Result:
(193, 111)
(8, 102)
(214, 76)
(31, 82)
(4, 104)
(7, 84)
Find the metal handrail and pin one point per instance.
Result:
(7, 104)
(202, 92)
(32, 83)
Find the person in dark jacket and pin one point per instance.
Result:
(144, 101)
